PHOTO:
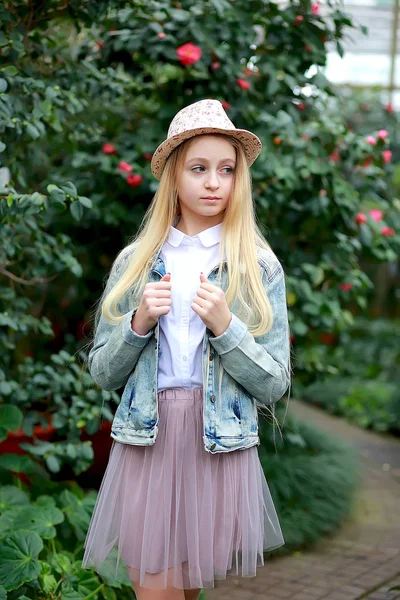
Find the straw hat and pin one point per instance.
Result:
(205, 116)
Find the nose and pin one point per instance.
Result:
(212, 180)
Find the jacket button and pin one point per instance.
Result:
(212, 398)
(213, 446)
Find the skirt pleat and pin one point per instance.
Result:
(177, 515)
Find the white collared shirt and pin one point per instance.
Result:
(182, 330)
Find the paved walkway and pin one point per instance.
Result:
(362, 561)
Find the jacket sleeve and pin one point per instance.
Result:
(116, 348)
(260, 364)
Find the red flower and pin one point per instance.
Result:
(242, 83)
(148, 156)
(124, 167)
(389, 107)
(387, 231)
(367, 162)
(382, 134)
(360, 218)
(215, 65)
(277, 141)
(315, 8)
(161, 35)
(100, 44)
(109, 149)
(292, 338)
(345, 286)
(334, 156)
(327, 338)
(387, 156)
(225, 105)
(376, 214)
(134, 180)
(307, 48)
(299, 19)
(301, 106)
(188, 54)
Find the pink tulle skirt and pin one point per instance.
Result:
(173, 514)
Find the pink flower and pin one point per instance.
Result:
(376, 214)
(215, 65)
(124, 167)
(301, 106)
(109, 148)
(188, 54)
(382, 134)
(242, 83)
(299, 19)
(387, 231)
(360, 218)
(345, 286)
(161, 35)
(315, 8)
(371, 140)
(134, 180)
(387, 156)
(322, 192)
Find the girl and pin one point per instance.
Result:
(193, 324)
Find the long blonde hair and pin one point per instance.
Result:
(239, 236)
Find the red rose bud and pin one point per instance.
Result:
(188, 54)
(387, 231)
(387, 156)
(277, 141)
(301, 106)
(148, 156)
(161, 35)
(215, 65)
(134, 180)
(299, 19)
(346, 286)
(315, 8)
(242, 83)
(389, 107)
(100, 44)
(124, 167)
(371, 140)
(376, 214)
(382, 134)
(225, 105)
(367, 162)
(360, 218)
(334, 156)
(109, 149)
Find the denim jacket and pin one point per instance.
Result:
(239, 370)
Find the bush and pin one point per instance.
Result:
(312, 477)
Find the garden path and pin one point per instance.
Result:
(361, 561)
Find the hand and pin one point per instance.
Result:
(210, 304)
(156, 301)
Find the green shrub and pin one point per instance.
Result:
(312, 478)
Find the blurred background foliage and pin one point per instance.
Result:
(87, 92)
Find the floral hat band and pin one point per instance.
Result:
(205, 116)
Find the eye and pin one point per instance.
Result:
(230, 170)
(199, 167)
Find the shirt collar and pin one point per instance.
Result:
(208, 237)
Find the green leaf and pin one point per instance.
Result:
(76, 210)
(10, 70)
(85, 201)
(19, 559)
(3, 85)
(69, 188)
(10, 415)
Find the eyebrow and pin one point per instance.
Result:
(203, 159)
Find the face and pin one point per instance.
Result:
(207, 171)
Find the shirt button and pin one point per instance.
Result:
(185, 320)
(212, 398)
(213, 446)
